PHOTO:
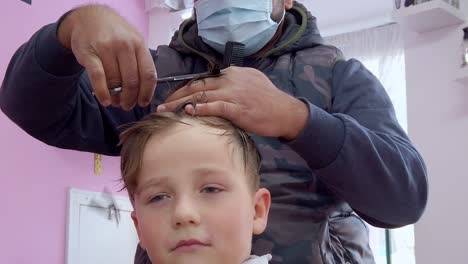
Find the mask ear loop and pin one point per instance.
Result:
(282, 18)
(271, 13)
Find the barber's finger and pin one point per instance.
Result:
(205, 84)
(97, 77)
(147, 76)
(226, 110)
(112, 72)
(130, 78)
(115, 100)
(196, 98)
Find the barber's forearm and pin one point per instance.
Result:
(321, 137)
(377, 171)
(47, 94)
(41, 82)
(52, 56)
(380, 175)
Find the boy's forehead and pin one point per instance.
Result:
(190, 140)
(193, 127)
(191, 148)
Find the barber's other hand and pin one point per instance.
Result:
(113, 53)
(246, 97)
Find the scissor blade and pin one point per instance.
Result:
(195, 76)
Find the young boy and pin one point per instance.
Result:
(194, 186)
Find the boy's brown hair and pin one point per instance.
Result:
(134, 139)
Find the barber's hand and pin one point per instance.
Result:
(246, 97)
(113, 53)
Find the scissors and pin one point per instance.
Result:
(233, 55)
(192, 77)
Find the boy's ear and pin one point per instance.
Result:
(137, 227)
(262, 203)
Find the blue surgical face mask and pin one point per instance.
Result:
(246, 21)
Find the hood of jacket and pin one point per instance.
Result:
(299, 32)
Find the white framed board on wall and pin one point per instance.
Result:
(100, 229)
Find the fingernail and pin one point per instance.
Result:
(144, 103)
(106, 103)
(161, 108)
(190, 110)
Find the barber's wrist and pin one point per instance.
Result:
(64, 28)
(299, 115)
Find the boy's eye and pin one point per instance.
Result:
(159, 198)
(211, 189)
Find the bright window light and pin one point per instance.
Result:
(186, 14)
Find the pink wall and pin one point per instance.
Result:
(34, 177)
(438, 125)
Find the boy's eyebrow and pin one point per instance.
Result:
(206, 171)
(200, 172)
(153, 182)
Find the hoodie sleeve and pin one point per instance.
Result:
(361, 153)
(48, 94)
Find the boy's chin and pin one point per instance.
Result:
(202, 259)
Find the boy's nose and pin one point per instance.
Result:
(185, 213)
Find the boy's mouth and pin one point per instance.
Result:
(189, 245)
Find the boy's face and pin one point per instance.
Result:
(194, 202)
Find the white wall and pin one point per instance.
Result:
(438, 125)
(162, 24)
(365, 14)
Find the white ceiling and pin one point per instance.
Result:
(340, 16)
(334, 16)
